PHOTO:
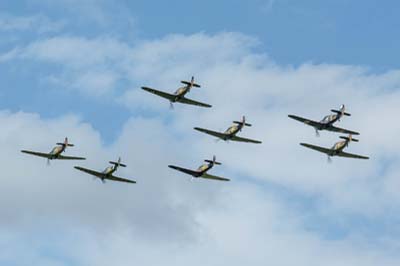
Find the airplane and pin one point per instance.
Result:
(107, 174)
(230, 133)
(337, 149)
(55, 153)
(327, 122)
(179, 95)
(201, 172)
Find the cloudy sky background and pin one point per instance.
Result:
(74, 68)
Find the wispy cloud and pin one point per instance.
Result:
(37, 23)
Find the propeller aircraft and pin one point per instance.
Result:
(179, 95)
(231, 132)
(56, 152)
(201, 172)
(107, 174)
(337, 149)
(327, 122)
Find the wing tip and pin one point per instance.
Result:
(147, 89)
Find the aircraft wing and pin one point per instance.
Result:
(160, 93)
(305, 121)
(317, 148)
(240, 139)
(90, 172)
(207, 176)
(183, 170)
(350, 155)
(40, 154)
(192, 102)
(342, 130)
(119, 179)
(210, 132)
(61, 157)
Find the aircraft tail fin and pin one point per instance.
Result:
(213, 161)
(65, 143)
(118, 163)
(191, 83)
(341, 111)
(243, 122)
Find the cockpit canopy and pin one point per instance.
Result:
(327, 119)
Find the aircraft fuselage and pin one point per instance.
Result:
(338, 147)
(56, 151)
(180, 93)
(328, 121)
(203, 169)
(110, 170)
(232, 131)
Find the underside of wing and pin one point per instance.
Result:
(240, 139)
(317, 148)
(192, 102)
(305, 121)
(40, 154)
(183, 170)
(120, 179)
(90, 172)
(61, 157)
(160, 93)
(207, 176)
(342, 130)
(212, 133)
(350, 155)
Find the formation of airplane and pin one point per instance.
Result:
(56, 152)
(337, 149)
(179, 95)
(327, 123)
(201, 172)
(107, 174)
(231, 132)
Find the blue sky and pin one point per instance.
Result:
(338, 32)
(290, 32)
(74, 68)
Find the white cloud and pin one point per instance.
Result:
(37, 23)
(166, 219)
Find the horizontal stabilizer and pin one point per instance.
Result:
(339, 112)
(241, 123)
(216, 163)
(189, 83)
(347, 138)
(116, 163)
(62, 144)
